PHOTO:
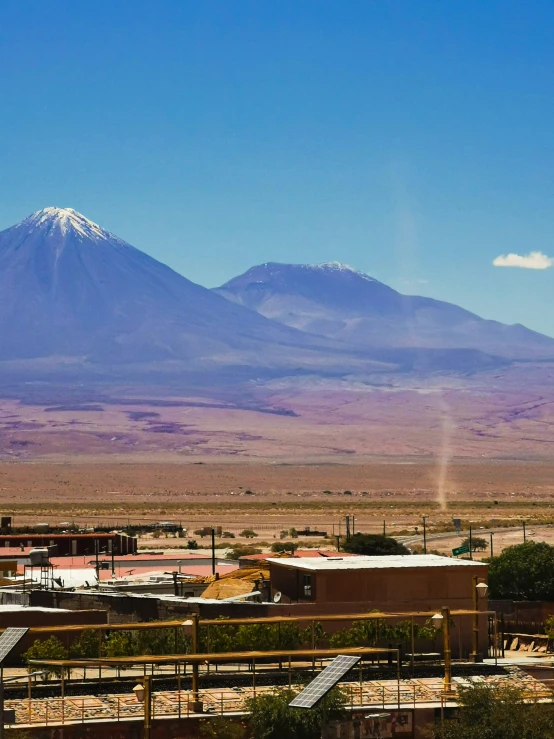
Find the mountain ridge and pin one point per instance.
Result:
(339, 302)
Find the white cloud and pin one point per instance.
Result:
(533, 260)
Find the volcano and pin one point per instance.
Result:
(339, 302)
(69, 289)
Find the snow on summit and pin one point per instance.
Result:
(66, 220)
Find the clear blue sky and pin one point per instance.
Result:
(412, 140)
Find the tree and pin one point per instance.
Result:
(51, 648)
(222, 727)
(477, 543)
(378, 632)
(497, 711)
(119, 644)
(271, 717)
(523, 572)
(87, 645)
(248, 533)
(375, 544)
(241, 550)
(284, 546)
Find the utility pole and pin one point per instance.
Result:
(97, 567)
(347, 524)
(470, 542)
(424, 535)
(384, 527)
(213, 551)
(474, 656)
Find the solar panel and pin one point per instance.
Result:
(324, 682)
(9, 639)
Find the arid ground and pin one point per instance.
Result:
(290, 455)
(270, 498)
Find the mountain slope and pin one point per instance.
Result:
(338, 302)
(68, 288)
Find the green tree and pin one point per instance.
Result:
(284, 546)
(248, 533)
(523, 572)
(497, 711)
(477, 543)
(87, 645)
(375, 544)
(271, 717)
(119, 644)
(222, 727)
(241, 550)
(47, 649)
(379, 632)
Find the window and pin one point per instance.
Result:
(307, 585)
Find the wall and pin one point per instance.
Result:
(30, 618)
(405, 724)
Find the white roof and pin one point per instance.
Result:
(360, 562)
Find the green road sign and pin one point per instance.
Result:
(461, 550)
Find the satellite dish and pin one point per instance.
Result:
(277, 597)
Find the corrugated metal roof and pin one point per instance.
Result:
(393, 561)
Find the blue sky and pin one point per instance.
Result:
(412, 140)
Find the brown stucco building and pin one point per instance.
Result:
(391, 584)
(401, 582)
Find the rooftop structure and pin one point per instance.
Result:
(361, 562)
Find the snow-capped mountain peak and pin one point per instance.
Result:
(65, 220)
(339, 267)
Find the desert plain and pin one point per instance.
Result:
(278, 455)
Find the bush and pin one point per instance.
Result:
(373, 544)
(271, 717)
(221, 727)
(192, 544)
(242, 550)
(248, 533)
(498, 711)
(284, 546)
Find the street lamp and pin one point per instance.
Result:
(480, 590)
(143, 693)
(441, 621)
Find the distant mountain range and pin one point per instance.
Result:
(71, 291)
(74, 295)
(336, 301)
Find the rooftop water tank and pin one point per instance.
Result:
(38, 557)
